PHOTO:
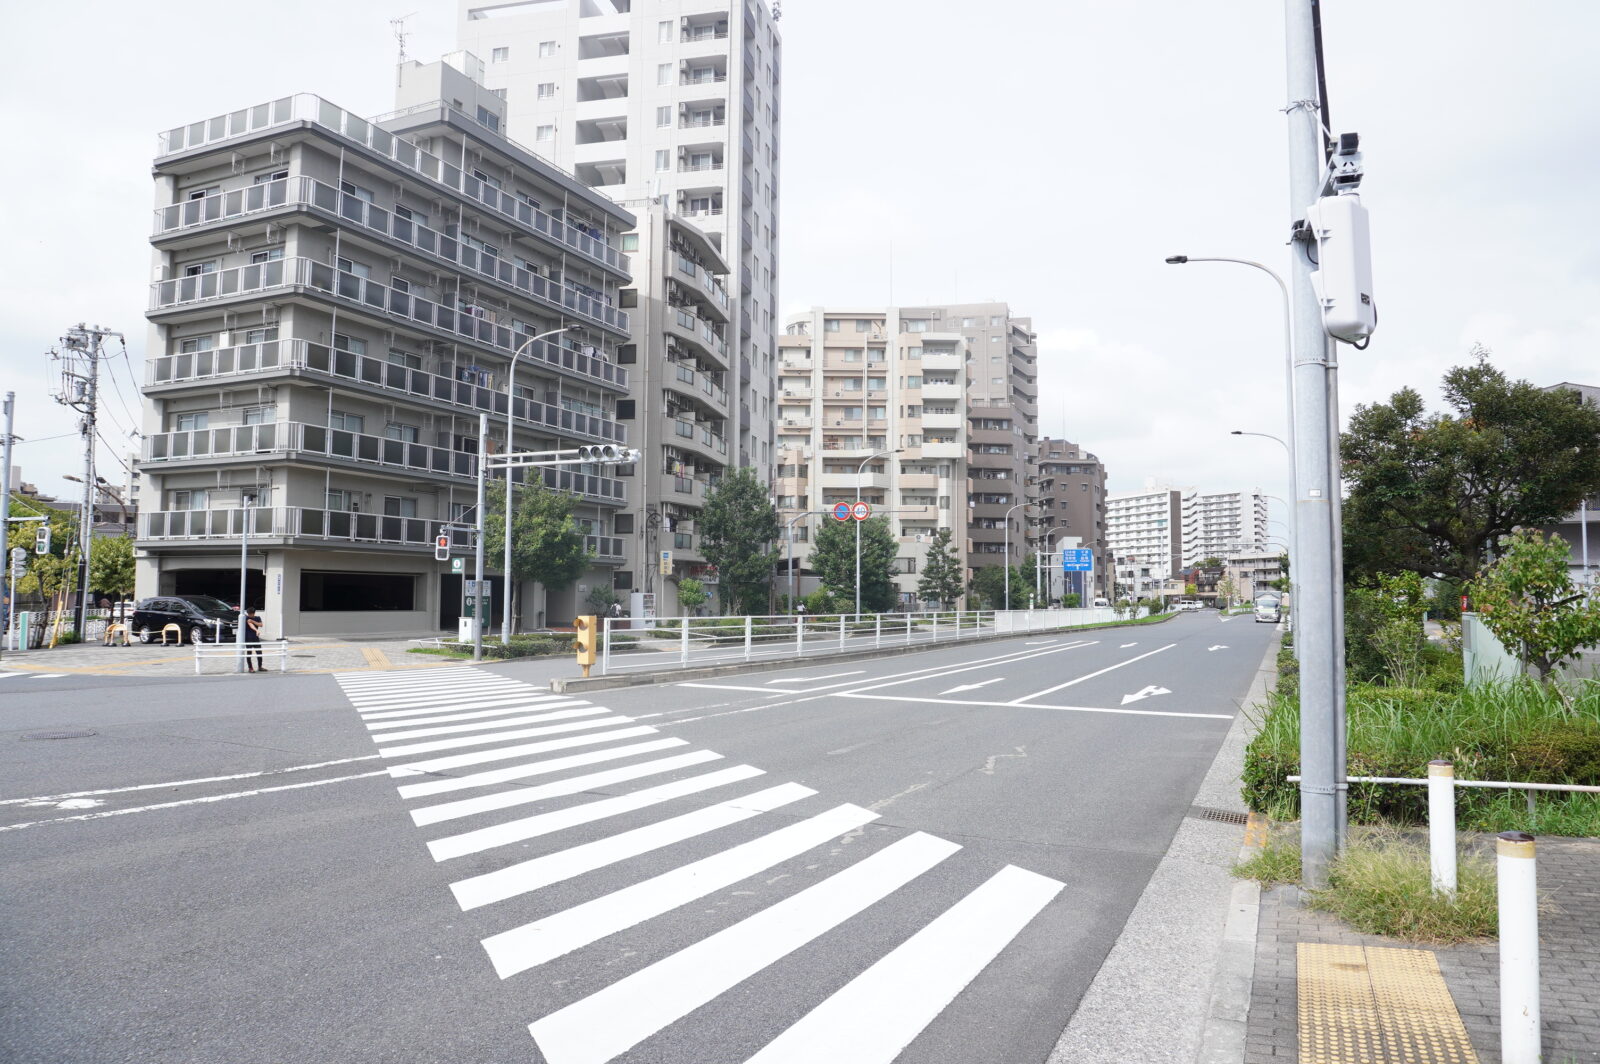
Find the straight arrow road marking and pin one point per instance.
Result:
(1219, 646)
(1145, 693)
(971, 686)
(1090, 676)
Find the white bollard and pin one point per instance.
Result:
(747, 633)
(1442, 825)
(877, 630)
(800, 635)
(683, 641)
(1518, 885)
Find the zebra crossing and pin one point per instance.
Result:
(454, 738)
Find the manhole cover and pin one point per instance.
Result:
(64, 733)
(1221, 816)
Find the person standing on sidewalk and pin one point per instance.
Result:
(252, 641)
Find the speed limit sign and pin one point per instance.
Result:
(861, 511)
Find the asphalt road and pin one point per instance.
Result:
(919, 858)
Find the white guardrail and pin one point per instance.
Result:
(234, 654)
(689, 642)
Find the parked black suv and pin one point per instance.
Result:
(195, 615)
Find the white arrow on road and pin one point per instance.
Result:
(1219, 646)
(972, 686)
(1146, 693)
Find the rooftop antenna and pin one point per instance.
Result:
(398, 25)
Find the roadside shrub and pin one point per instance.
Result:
(819, 601)
(1381, 885)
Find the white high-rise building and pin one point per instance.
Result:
(1221, 523)
(676, 100)
(1144, 532)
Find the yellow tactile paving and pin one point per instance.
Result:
(1256, 831)
(375, 657)
(1376, 1005)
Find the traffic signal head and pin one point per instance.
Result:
(608, 453)
(441, 547)
(583, 639)
(41, 540)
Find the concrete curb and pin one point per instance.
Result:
(567, 685)
(1175, 986)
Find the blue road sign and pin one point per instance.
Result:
(841, 511)
(1075, 560)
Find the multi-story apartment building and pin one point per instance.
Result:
(872, 405)
(1144, 533)
(336, 302)
(1581, 528)
(1217, 524)
(1253, 571)
(670, 99)
(1070, 488)
(678, 411)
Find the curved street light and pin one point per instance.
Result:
(511, 407)
(1018, 506)
(861, 472)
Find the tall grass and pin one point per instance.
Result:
(1522, 732)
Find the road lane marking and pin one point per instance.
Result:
(537, 768)
(531, 945)
(190, 801)
(539, 872)
(1035, 705)
(46, 676)
(1145, 692)
(1092, 675)
(1219, 646)
(972, 686)
(733, 687)
(187, 783)
(619, 1017)
(455, 692)
(495, 737)
(556, 820)
(438, 814)
(1125, 646)
(939, 672)
(460, 704)
(809, 679)
(481, 714)
(878, 1013)
(479, 757)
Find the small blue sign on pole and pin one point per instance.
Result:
(1076, 560)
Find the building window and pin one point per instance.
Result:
(664, 32)
(663, 161)
(261, 415)
(198, 269)
(360, 269)
(190, 345)
(272, 175)
(544, 134)
(399, 506)
(547, 49)
(350, 188)
(397, 357)
(341, 342)
(488, 119)
(663, 117)
(402, 211)
(191, 422)
(630, 241)
(339, 419)
(663, 73)
(547, 89)
(830, 325)
(189, 500)
(266, 255)
(260, 336)
(499, 55)
(396, 431)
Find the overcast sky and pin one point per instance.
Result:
(1049, 153)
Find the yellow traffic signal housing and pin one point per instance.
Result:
(585, 630)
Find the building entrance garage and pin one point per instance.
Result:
(221, 584)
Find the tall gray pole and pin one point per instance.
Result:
(1316, 502)
(478, 597)
(5, 518)
(86, 523)
(511, 409)
(239, 625)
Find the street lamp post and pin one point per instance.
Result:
(1050, 548)
(788, 535)
(861, 472)
(511, 407)
(239, 624)
(1007, 562)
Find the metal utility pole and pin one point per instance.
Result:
(81, 351)
(1316, 485)
(478, 596)
(5, 518)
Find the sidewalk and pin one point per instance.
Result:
(308, 654)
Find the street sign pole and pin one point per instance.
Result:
(7, 584)
(477, 601)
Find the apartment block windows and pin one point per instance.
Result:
(198, 269)
(399, 506)
(499, 55)
(189, 500)
(191, 422)
(544, 134)
(341, 342)
(260, 336)
(350, 188)
(663, 161)
(272, 175)
(360, 269)
(396, 431)
(664, 31)
(547, 49)
(663, 73)
(339, 419)
(830, 324)
(266, 255)
(190, 345)
(663, 117)
(261, 415)
(547, 90)
(397, 357)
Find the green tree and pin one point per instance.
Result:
(1226, 590)
(987, 591)
(833, 559)
(691, 594)
(1528, 600)
(737, 529)
(1429, 493)
(547, 546)
(941, 572)
(111, 566)
(1383, 629)
(48, 574)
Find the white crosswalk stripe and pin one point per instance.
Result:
(473, 724)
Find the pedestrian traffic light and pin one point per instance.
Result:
(583, 640)
(41, 540)
(441, 547)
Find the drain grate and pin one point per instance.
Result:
(1221, 816)
(64, 733)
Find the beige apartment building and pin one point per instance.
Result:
(952, 389)
(335, 302)
(1070, 490)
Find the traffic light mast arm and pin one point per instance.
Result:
(606, 454)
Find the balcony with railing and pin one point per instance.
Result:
(607, 550)
(315, 111)
(308, 193)
(683, 433)
(699, 385)
(684, 322)
(180, 293)
(302, 358)
(707, 281)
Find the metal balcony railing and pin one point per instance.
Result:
(305, 107)
(466, 323)
(310, 193)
